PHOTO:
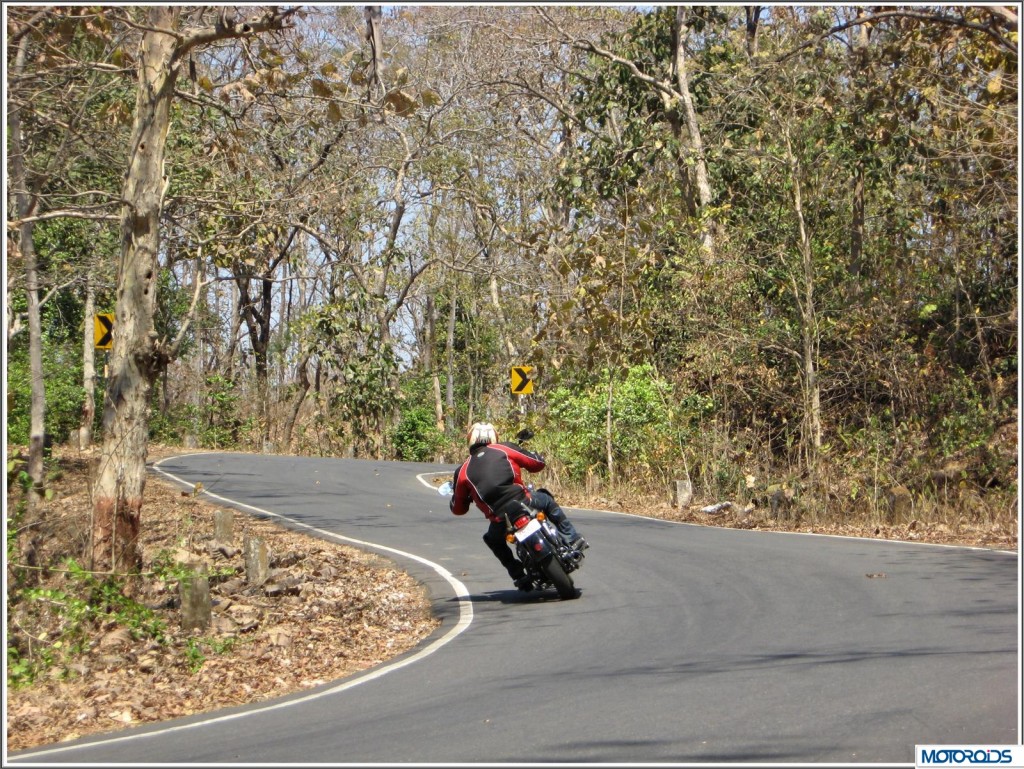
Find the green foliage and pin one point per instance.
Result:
(643, 428)
(62, 370)
(416, 437)
(345, 338)
(85, 603)
(216, 423)
(170, 571)
(965, 426)
(194, 656)
(14, 518)
(173, 301)
(196, 649)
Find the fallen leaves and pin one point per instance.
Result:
(326, 611)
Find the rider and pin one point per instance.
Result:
(491, 479)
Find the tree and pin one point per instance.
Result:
(138, 355)
(52, 178)
(668, 81)
(24, 207)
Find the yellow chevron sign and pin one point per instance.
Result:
(522, 380)
(103, 330)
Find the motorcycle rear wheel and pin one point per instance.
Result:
(563, 582)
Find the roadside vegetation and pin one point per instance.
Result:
(770, 252)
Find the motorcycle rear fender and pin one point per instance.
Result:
(533, 553)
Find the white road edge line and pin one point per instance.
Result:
(465, 605)
(465, 619)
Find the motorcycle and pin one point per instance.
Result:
(546, 557)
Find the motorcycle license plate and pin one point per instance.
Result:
(531, 528)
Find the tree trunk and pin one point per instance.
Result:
(753, 14)
(304, 385)
(136, 357)
(24, 205)
(503, 331)
(431, 346)
(449, 386)
(857, 227)
(609, 453)
(811, 437)
(859, 63)
(693, 142)
(88, 367)
(257, 321)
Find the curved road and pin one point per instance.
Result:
(688, 645)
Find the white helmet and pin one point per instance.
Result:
(482, 432)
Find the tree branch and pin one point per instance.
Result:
(225, 29)
(920, 16)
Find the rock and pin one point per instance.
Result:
(899, 504)
(718, 508)
(224, 625)
(286, 586)
(682, 493)
(194, 589)
(280, 637)
(257, 560)
(223, 525)
(222, 551)
(285, 560)
(780, 502)
(231, 586)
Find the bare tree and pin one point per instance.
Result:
(138, 356)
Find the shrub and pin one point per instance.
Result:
(62, 374)
(416, 438)
(643, 429)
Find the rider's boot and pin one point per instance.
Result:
(520, 578)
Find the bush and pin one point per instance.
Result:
(416, 438)
(62, 373)
(643, 432)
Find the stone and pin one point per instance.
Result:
(223, 525)
(196, 608)
(682, 493)
(898, 504)
(257, 560)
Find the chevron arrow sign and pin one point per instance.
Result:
(103, 330)
(522, 380)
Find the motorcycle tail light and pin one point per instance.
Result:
(521, 521)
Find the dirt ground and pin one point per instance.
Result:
(326, 611)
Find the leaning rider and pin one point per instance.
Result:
(491, 477)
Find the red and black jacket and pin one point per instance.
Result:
(491, 478)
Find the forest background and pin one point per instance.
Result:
(769, 250)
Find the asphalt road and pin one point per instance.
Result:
(688, 644)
